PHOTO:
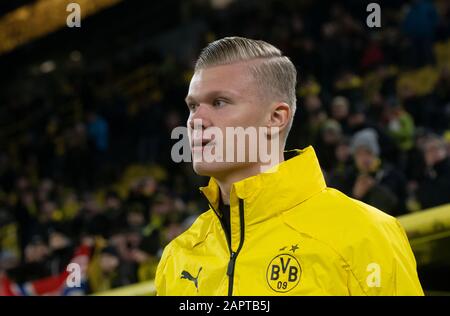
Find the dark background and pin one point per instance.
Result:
(86, 115)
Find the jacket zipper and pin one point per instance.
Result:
(233, 255)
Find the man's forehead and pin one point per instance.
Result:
(231, 78)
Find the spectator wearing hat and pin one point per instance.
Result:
(371, 180)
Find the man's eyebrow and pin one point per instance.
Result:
(215, 93)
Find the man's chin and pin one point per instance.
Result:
(212, 169)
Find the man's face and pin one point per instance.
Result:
(223, 96)
(108, 262)
(339, 111)
(433, 153)
(364, 159)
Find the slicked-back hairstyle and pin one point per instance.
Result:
(274, 73)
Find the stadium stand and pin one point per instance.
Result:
(85, 121)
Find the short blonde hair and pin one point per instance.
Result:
(275, 74)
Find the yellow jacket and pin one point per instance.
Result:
(290, 235)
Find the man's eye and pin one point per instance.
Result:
(219, 103)
(192, 106)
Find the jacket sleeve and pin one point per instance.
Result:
(383, 263)
(160, 278)
(407, 280)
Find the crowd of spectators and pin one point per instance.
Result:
(85, 141)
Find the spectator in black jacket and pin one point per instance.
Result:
(371, 180)
(434, 189)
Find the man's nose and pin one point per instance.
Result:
(200, 116)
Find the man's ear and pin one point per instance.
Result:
(279, 116)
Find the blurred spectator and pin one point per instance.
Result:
(71, 138)
(310, 122)
(61, 249)
(103, 270)
(78, 162)
(401, 128)
(91, 219)
(420, 25)
(114, 212)
(35, 264)
(97, 129)
(326, 145)
(441, 104)
(371, 180)
(373, 54)
(10, 253)
(434, 188)
(344, 162)
(340, 110)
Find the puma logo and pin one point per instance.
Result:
(186, 275)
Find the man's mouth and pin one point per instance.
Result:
(199, 144)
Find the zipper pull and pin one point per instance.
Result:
(231, 264)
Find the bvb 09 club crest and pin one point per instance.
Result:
(283, 273)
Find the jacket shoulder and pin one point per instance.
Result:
(331, 213)
(364, 237)
(190, 238)
(196, 233)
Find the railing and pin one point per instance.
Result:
(146, 288)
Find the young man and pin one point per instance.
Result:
(280, 231)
